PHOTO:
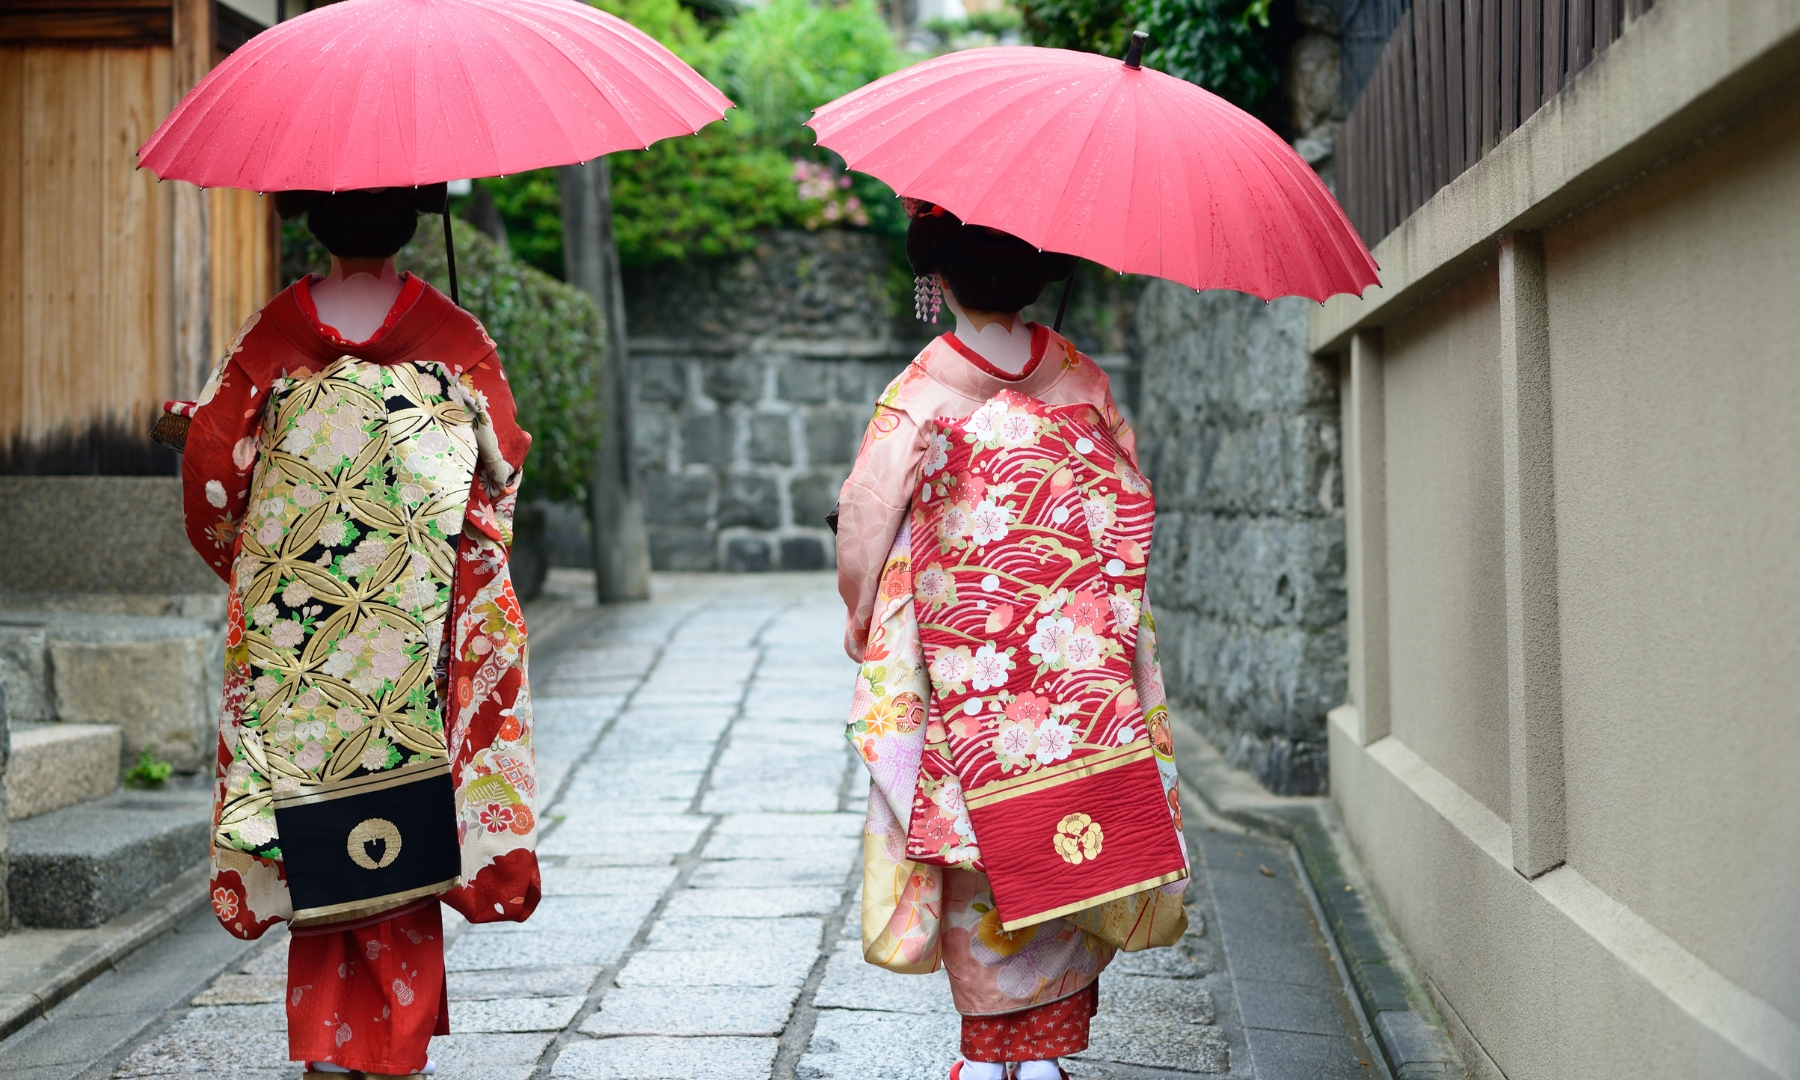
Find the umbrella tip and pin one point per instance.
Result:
(1134, 52)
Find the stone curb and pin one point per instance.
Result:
(1412, 1039)
(80, 963)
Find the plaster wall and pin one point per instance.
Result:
(1672, 330)
(1588, 847)
(1446, 579)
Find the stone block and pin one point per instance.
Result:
(701, 927)
(856, 1044)
(756, 903)
(747, 554)
(813, 494)
(99, 535)
(833, 435)
(549, 982)
(24, 671)
(853, 983)
(771, 439)
(515, 1014)
(651, 426)
(705, 1010)
(56, 765)
(662, 1058)
(717, 967)
(738, 379)
(156, 678)
(1263, 572)
(81, 865)
(662, 379)
(803, 553)
(683, 549)
(706, 438)
(806, 382)
(749, 500)
(679, 499)
(232, 989)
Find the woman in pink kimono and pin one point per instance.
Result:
(991, 545)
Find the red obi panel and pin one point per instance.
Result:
(1030, 535)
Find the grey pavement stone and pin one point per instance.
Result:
(187, 1052)
(243, 990)
(616, 836)
(1157, 1042)
(515, 1014)
(674, 933)
(1178, 1000)
(841, 853)
(766, 903)
(1305, 1056)
(790, 825)
(489, 1056)
(522, 982)
(573, 916)
(856, 1045)
(606, 880)
(853, 983)
(699, 1010)
(767, 873)
(660, 1058)
(478, 951)
(1287, 1007)
(717, 967)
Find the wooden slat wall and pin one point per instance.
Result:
(85, 330)
(245, 259)
(1456, 77)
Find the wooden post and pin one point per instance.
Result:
(1533, 640)
(591, 260)
(192, 270)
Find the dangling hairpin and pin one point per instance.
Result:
(928, 297)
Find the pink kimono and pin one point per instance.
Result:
(1025, 991)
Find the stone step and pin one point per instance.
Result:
(81, 865)
(56, 765)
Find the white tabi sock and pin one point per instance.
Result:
(982, 1070)
(1038, 1070)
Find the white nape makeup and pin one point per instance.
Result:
(355, 300)
(1004, 342)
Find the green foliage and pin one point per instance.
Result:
(531, 206)
(1227, 46)
(708, 195)
(149, 772)
(551, 338)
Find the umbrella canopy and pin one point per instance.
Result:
(388, 93)
(1134, 169)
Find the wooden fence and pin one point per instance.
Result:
(1455, 78)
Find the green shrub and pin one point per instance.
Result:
(551, 339)
(149, 772)
(1227, 46)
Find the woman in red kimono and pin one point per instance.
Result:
(351, 470)
(992, 540)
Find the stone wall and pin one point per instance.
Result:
(753, 379)
(1238, 429)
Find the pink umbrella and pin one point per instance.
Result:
(384, 93)
(1133, 169)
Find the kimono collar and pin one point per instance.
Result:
(417, 315)
(963, 370)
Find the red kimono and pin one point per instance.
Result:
(358, 499)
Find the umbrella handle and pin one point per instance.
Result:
(1062, 306)
(450, 256)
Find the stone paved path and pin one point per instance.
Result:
(683, 934)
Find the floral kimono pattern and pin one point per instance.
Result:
(371, 622)
(923, 909)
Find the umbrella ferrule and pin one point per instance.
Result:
(1134, 52)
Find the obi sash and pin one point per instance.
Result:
(1029, 538)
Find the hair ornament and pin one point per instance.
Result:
(928, 297)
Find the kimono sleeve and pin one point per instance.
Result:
(217, 463)
(871, 507)
(490, 380)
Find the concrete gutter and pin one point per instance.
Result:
(1677, 74)
(1407, 1027)
(88, 953)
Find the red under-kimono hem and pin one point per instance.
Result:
(1043, 1033)
(369, 999)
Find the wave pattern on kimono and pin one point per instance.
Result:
(1031, 531)
(918, 913)
(371, 622)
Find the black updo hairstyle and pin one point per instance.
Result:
(372, 224)
(986, 269)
